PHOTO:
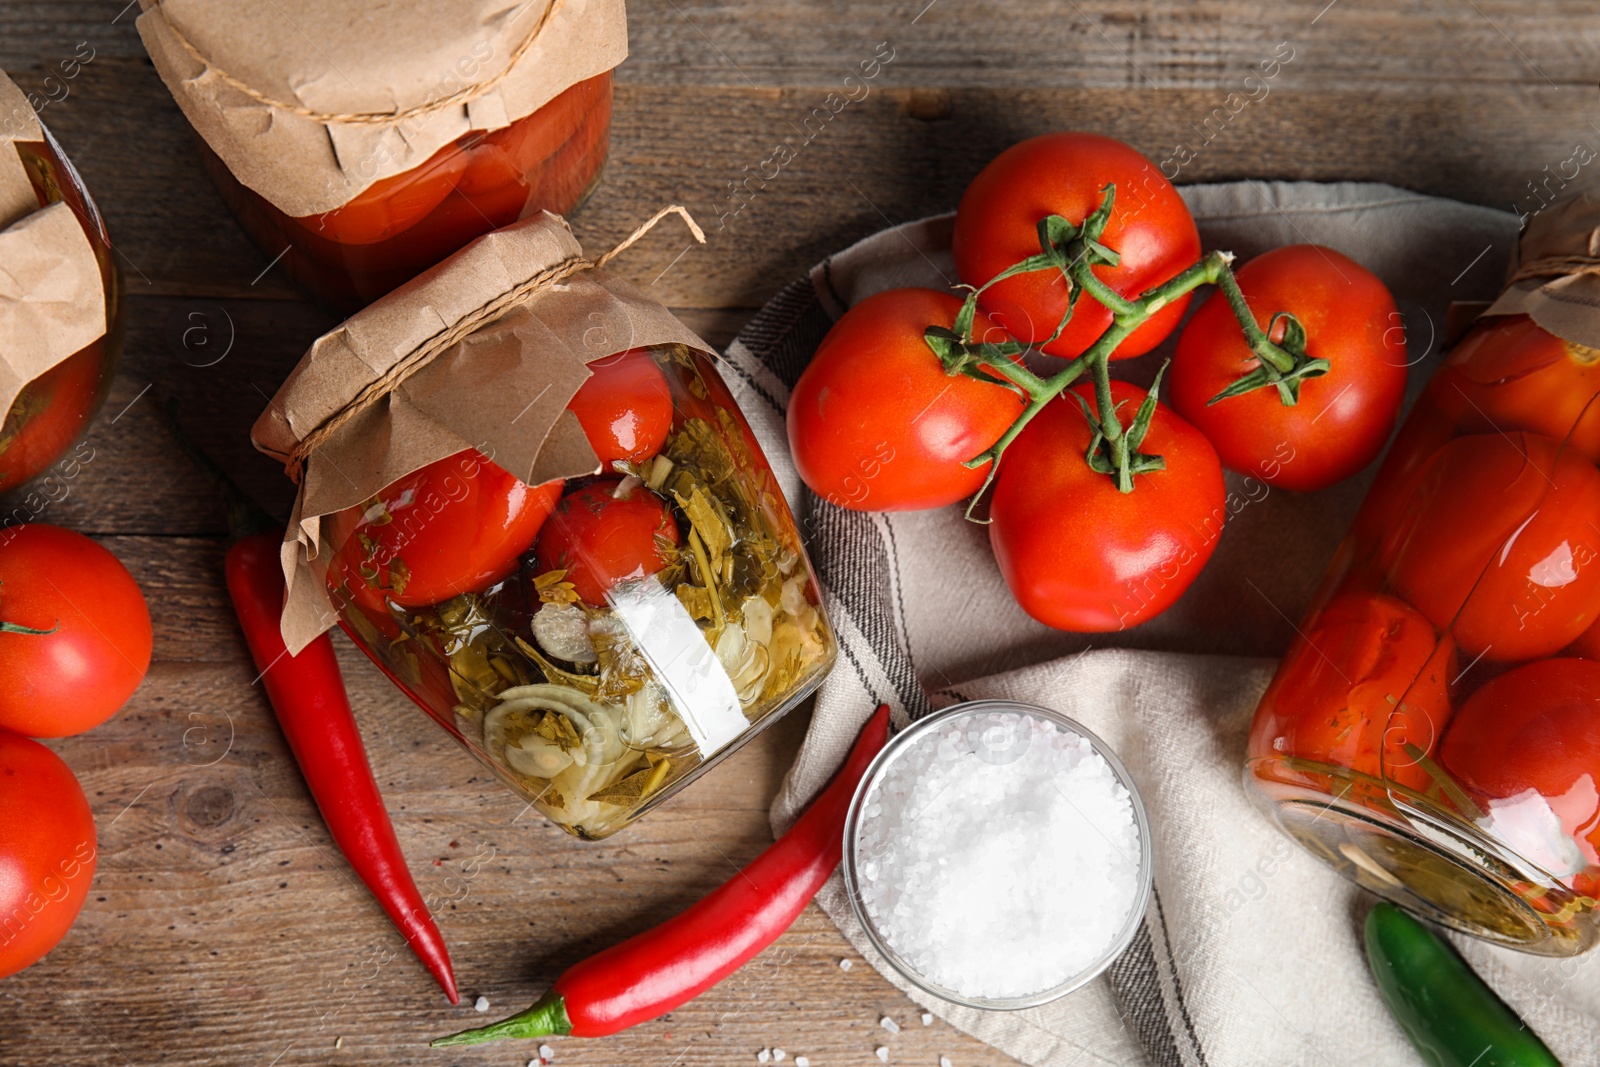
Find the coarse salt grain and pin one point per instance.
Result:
(845, 965)
(944, 1061)
(801, 1061)
(481, 1004)
(889, 1025)
(998, 854)
(546, 1053)
(927, 1018)
(778, 1055)
(882, 1052)
(764, 1056)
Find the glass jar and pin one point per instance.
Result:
(1434, 731)
(54, 410)
(398, 227)
(597, 643)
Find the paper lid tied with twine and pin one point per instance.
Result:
(309, 103)
(52, 294)
(1555, 272)
(482, 351)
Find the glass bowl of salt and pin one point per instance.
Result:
(997, 855)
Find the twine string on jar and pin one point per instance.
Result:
(447, 338)
(1555, 267)
(370, 118)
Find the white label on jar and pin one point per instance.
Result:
(696, 682)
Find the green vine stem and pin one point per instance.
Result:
(1074, 251)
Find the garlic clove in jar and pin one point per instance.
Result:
(562, 630)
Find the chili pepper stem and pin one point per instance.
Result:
(547, 1016)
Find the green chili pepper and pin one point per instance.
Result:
(1450, 1015)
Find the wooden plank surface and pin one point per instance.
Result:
(222, 928)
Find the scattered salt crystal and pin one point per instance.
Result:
(546, 1053)
(927, 1018)
(889, 1025)
(481, 1004)
(801, 1061)
(537, 1061)
(944, 1061)
(764, 1056)
(778, 1055)
(882, 1052)
(845, 965)
(998, 864)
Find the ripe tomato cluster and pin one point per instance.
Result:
(463, 523)
(75, 642)
(1457, 652)
(1075, 252)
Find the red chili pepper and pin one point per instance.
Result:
(308, 696)
(307, 693)
(661, 969)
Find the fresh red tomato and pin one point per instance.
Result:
(98, 646)
(392, 205)
(625, 407)
(1498, 543)
(47, 851)
(876, 424)
(1369, 677)
(1532, 736)
(1509, 374)
(455, 526)
(1063, 174)
(601, 539)
(1343, 417)
(1080, 555)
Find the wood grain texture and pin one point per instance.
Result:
(222, 928)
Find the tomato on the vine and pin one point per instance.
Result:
(455, 526)
(1532, 736)
(1080, 555)
(92, 639)
(625, 407)
(876, 424)
(599, 538)
(1496, 541)
(1369, 684)
(1343, 416)
(47, 851)
(1063, 174)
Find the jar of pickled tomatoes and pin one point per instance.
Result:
(373, 142)
(62, 311)
(561, 538)
(1434, 731)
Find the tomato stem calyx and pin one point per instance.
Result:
(1283, 364)
(18, 628)
(1074, 250)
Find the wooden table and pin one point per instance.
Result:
(222, 927)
